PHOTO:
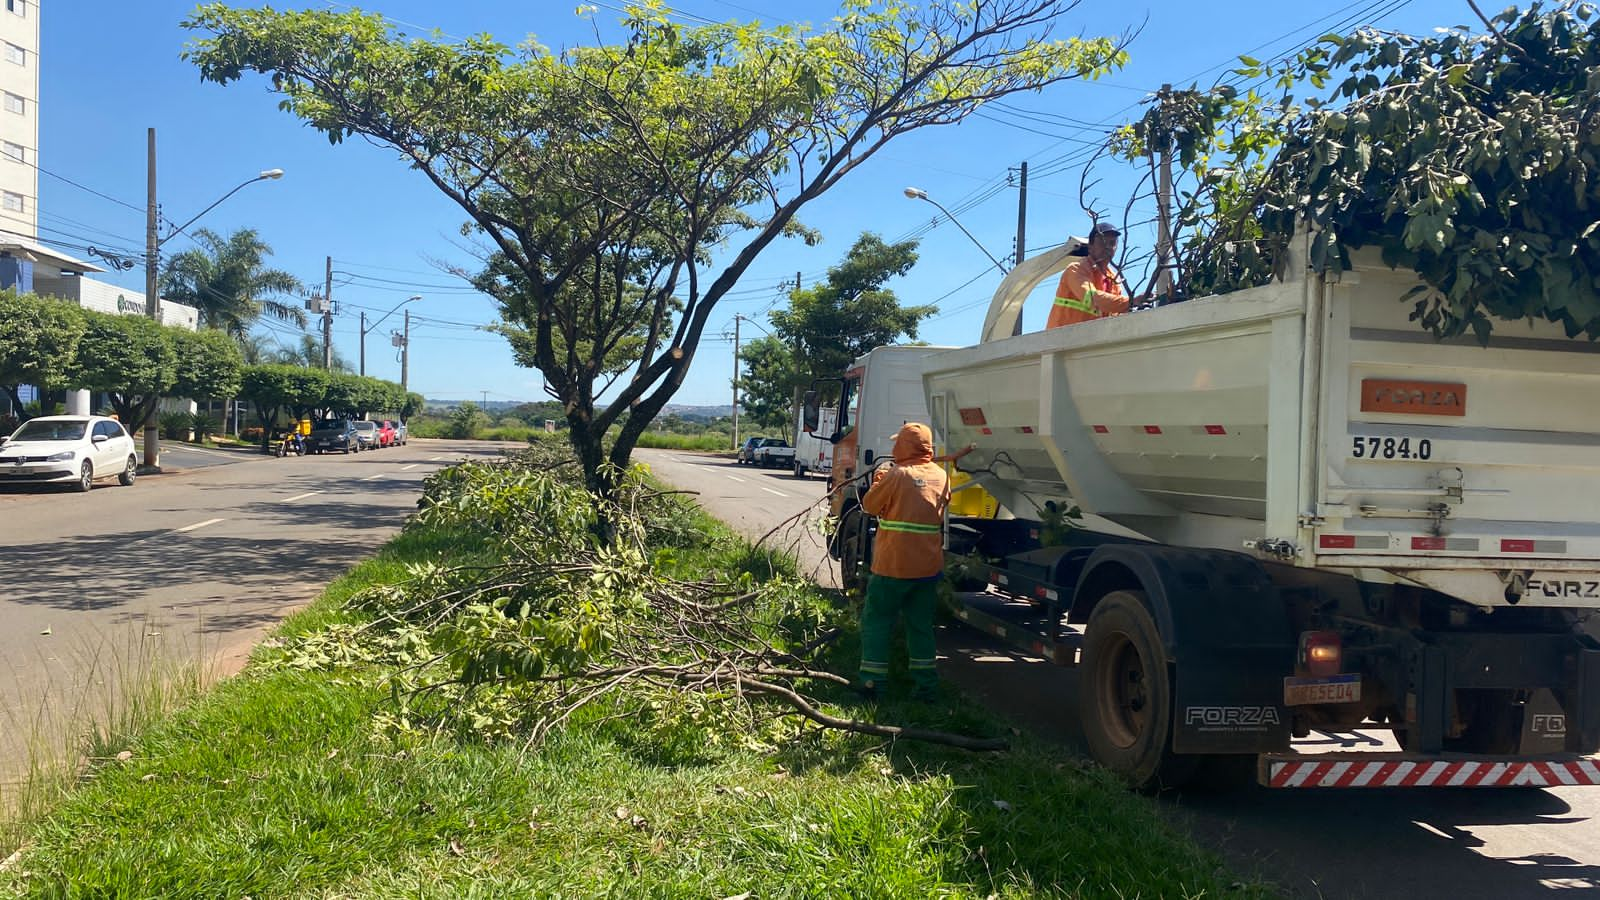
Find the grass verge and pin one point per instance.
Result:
(53, 730)
(280, 784)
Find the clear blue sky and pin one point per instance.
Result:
(111, 69)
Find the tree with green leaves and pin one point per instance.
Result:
(828, 326)
(209, 364)
(270, 388)
(229, 282)
(1472, 159)
(770, 375)
(38, 342)
(131, 358)
(607, 175)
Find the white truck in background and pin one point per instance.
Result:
(812, 451)
(1281, 510)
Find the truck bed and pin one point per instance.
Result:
(1306, 420)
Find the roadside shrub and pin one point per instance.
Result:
(467, 420)
(175, 426)
(664, 440)
(517, 433)
(205, 427)
(428, 427)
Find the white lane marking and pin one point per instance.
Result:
(184, 448)
(198, 525)
(373, 477)
(299, 497)
(437, 458)
(771, 491)
(733, 477)
(412, 466)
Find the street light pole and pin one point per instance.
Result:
(152, 300)
(405, 352)
(152, 262)
(368, 329)
(920, 194)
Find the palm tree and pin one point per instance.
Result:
(228, 281)
(309, 354)
(257, 348)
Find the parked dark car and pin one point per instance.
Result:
(333, 434)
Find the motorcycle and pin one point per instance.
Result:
(289, 443)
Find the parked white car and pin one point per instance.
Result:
(77, 449)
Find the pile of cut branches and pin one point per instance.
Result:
(554, 620)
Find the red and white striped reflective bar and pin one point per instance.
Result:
(1312, 773)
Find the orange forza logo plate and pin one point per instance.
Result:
(1417, 398)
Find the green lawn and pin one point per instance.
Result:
(285, 782)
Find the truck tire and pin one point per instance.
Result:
(852, 561)
(1125, 696)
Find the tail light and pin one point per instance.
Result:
(1321, 652)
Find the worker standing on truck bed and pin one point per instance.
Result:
(1090, 286)
(909, 501)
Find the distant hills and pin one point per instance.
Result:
(698, 412)
(705, 413)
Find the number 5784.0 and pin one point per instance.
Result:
(1390, 448)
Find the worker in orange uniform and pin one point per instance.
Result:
(909, 501)
(1090, 287)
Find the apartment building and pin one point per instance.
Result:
(19, 118)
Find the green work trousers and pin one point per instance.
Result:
(887, 600)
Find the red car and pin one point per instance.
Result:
(386, 434)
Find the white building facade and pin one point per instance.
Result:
(19, 120)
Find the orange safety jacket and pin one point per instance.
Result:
(909, 501)
(1086, 292)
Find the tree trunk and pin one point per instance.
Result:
(588, 443)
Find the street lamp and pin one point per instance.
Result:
(914, 193)
(152, 244)
(368, 329)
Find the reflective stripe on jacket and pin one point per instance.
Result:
(1083, 291)
(909, 501)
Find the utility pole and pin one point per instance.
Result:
(152, 300)
(363, 343)
(1164, 219)
(736, 319)
(327, 318)
(1022, 231)
(405, 352)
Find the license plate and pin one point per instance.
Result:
(1368, 447)
(1331, 689)
(18, 470)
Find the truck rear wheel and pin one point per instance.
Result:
(1125, 696)
(852, 559)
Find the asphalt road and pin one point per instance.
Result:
(1457, 843)
(97, 589)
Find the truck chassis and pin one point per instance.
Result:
(1192, 656)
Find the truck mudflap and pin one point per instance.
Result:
(1395, 770)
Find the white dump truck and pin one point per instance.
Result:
(1282, 510)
